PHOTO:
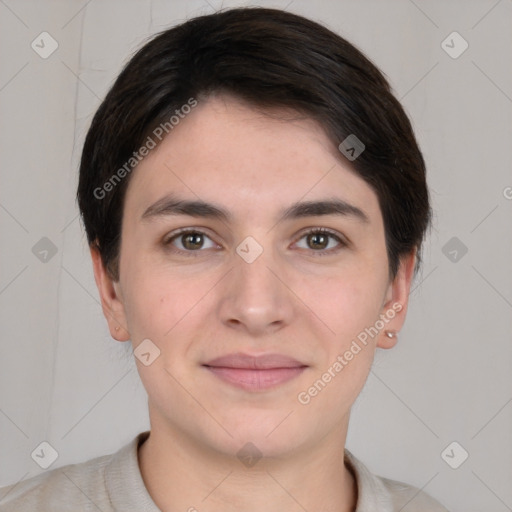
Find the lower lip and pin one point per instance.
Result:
(256, 380)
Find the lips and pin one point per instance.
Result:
(255, 373)
(262, 362)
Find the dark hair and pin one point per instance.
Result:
(271, 59)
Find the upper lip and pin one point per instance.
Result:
(251, 362)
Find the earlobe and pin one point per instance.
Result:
(120, 333)
(390, 339)
(111, 304)
(397, 299)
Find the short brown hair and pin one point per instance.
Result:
(269, 58)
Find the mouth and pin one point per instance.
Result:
(255, 373)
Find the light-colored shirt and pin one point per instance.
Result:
(113, 483)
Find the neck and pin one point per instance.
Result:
(182, 475)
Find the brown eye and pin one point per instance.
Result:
(321, 241)
(317, 240)
(190, 241)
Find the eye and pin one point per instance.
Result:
(322, 241)
(189, 240)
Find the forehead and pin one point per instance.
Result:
(226, 151)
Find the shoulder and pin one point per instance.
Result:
(107, 483)
(79, 485)
(409, 498)
(379, 494)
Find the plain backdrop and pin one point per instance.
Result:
(64, 380)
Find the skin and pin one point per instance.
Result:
(289, 300)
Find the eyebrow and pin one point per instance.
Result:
(171, 205)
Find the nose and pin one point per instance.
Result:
(256, 297)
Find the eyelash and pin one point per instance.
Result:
(323, 252)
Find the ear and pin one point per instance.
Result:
(111, 299)
(397, 300)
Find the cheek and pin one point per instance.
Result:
(159, 303)
(154, 308)
(347, 303)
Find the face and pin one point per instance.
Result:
(262, 269)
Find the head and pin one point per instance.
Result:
(233, 127)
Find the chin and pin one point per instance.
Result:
(267, 433)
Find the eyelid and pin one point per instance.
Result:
(341, 239)
(321, 229)
(167, 240)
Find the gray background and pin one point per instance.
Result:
(65, 381)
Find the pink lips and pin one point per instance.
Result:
(255, 373)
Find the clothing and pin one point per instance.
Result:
(113, 483)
